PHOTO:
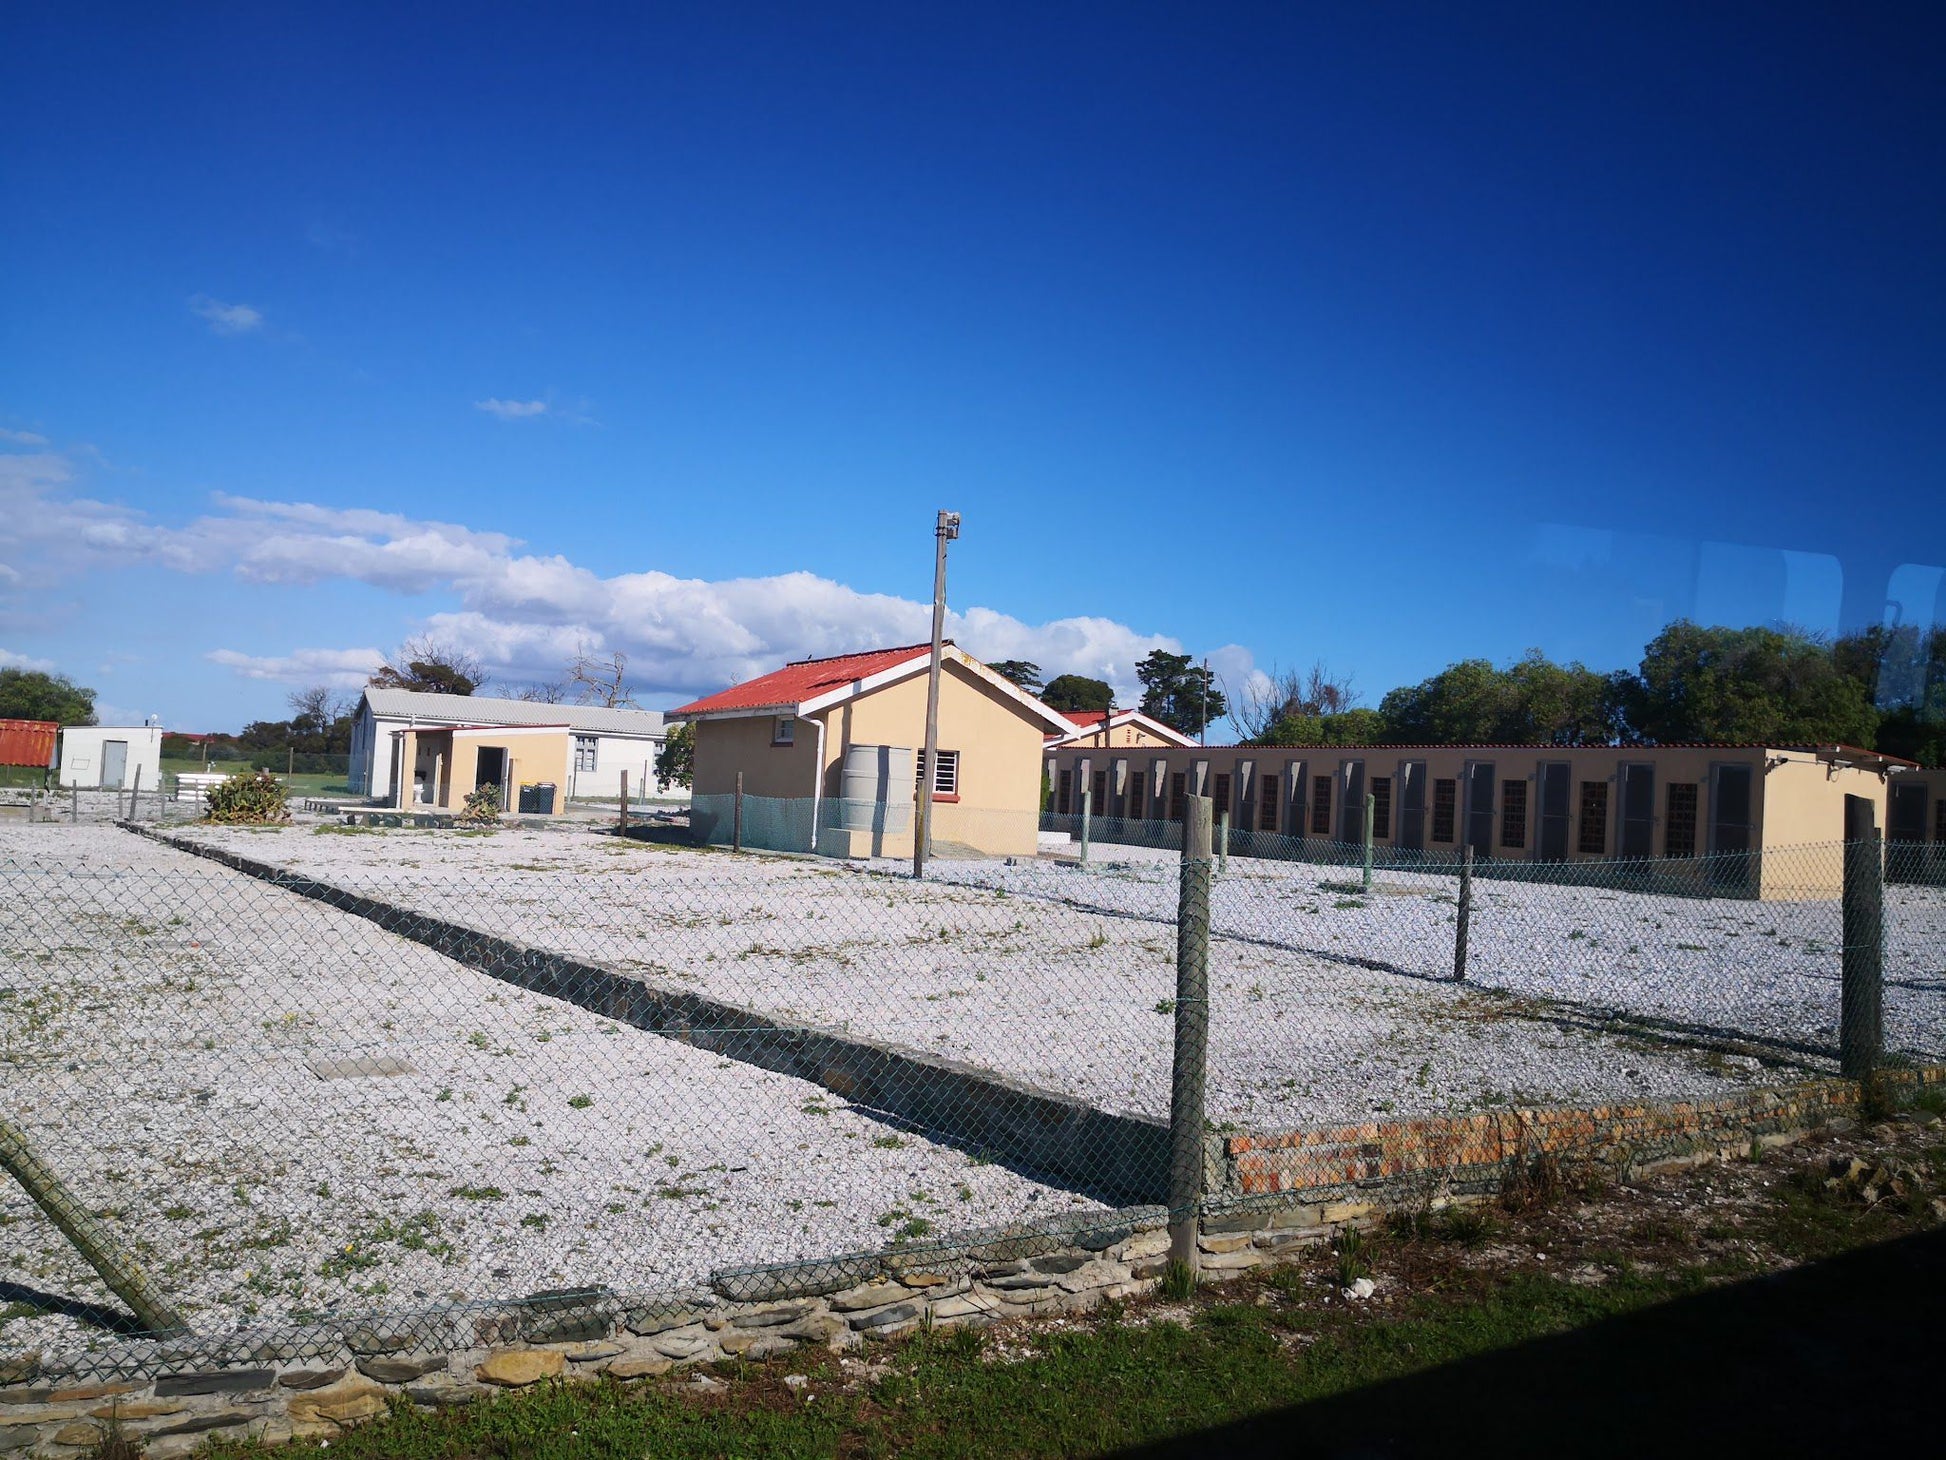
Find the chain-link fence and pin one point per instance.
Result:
(316, 1075)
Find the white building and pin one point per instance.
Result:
(109, 756)
(605, 742)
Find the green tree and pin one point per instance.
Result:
(1346, 727)
(1021, 671)
(1765, 686)
(1067, 692)
(1179, 692)
(30, 694)
(675, 763)
(1533, 701)
(432, 668)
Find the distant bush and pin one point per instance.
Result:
(247, 796)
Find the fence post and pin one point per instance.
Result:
(1861, 1026)
(624, 826)
(119, 1271)
(1223, 842)
(1087, 815)
(1371, 820)
(1190, 1067)
(134, 795)
(74, 801)
(736, 818)
(1465, 914)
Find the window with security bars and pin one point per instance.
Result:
(584, 752)
(1135, 798)
(1267, 800)
(945, 773)
(1099, 799)
(1939, 820)
(1381, 807)
(1321, 805)
(1513, 813)
(1593, 838)
(1679, 823)
(1178, 795)
(1064, 795)
(1220, 797)
(1445, 809)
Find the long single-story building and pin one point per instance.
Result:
(604, 743)
(110, 756)
(1540, 803)
(828, 751)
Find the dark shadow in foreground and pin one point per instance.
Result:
(1843, 1357)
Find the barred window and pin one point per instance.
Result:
(1064, 796)
(1939, 820)
(1445, 808)
(1513, 813)
(1321, 805)
(1099, 799)
(1381, 807)
(1593, 840)
(1267, 819)
(1135, 796)
(584, 752)
(945, 773)
(1220, 797)
(1679, 836)
(1178, 795)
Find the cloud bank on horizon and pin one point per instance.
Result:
(524, 614)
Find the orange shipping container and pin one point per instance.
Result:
(28, 742)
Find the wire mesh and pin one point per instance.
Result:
(321, 1076)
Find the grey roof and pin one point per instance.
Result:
(412, 704)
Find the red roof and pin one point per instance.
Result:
(806, 679)
(1086, 718)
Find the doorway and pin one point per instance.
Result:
(491, 770)
(114, 764)
(1552, 844)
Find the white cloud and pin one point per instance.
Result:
(10, 660)
(22, 438)
(511, 410)
(338, 668)
(523, 613)
(226, 319)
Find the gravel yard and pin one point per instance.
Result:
(987, 964)
(285, 1108)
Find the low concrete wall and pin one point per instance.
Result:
(1121, 1157)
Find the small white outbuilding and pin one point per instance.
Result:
(109, 756)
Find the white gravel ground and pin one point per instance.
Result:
(163, 1028)
(1012, 979)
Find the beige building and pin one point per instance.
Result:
(528, 764)
(1102, 729)
(1517, 802)
(828, 751)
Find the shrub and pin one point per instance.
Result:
(247, 797)
(482, 807)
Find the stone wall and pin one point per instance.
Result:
(1274, 1196)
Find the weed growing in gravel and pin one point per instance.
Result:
(1354, 1256)
(1178, 1281)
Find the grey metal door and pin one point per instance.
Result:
(1351, 810)
(1905, 832)
(1552, 844)
(1479, 807)
(114, 763)
(1638, 810)
(1412, 805)
(1730, 827)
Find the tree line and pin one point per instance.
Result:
(1882, 688)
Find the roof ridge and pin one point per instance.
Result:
(859, 654)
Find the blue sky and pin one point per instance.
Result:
(1384, 334)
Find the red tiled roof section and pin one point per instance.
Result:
(804, 680)
(1085, 718)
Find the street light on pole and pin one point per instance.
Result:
(945, 529)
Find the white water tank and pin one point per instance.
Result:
(875, 786)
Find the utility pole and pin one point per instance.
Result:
(945, 529)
